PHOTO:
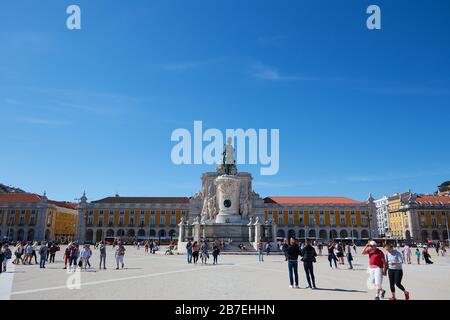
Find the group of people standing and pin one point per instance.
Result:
(194, 250)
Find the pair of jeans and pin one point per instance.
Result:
(261, 255)
(332, 258)
(309, 270)
(52, 257)
(73, 261)
(215, 259)
(293, 272)
(195, 255)
(189, 256)
(103, 259)
(43, 260)
(349, 260)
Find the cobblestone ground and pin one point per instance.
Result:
(236, 277)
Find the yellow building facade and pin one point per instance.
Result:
(418, 218)
(31, 217)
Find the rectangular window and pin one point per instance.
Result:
(100, 218)
(90, 217)
(162, 218)
(111, 217)
(121, 215)
(32, 217)
(280, 218)
(12, 214)
(152, 219)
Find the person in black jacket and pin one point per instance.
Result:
(292, 253)
(309, 257)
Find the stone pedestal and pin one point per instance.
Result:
(228, 190)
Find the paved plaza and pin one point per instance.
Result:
(237, 277)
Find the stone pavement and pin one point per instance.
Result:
(237, 277)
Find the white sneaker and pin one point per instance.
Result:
(292, 287)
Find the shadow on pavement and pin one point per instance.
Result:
(340, 290)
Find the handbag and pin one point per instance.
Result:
(80, 263)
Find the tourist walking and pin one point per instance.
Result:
(292, 252)
(204, 252)
(268, 248)
(53, 250)
(407, 251)
(340, 253)
(28, 253)
(18, 251)
(260, 251)
(74, 254)
(376, 266)
(417, 256)
(331, 255)
(309, 255)
(43, 255)
(320, 247)
(189, 251)
(426, 255)
(284, 248)
(67, 255)
(102, 249)
(119, 255)
(195, 251)
(84, 255)
(34, 255)
(394, 262)
(7, 255)
(349, 256)
(216, 252)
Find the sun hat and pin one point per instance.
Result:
(373, 243)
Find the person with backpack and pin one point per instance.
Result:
(102, 249)
(119, 255)
(309, 255)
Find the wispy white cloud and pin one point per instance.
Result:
(264, 72)
(41, 121)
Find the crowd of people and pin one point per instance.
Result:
(381, 264)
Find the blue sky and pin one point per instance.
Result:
(359, 111)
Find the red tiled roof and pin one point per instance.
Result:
(143, 200)
(19, 198)
(310, 200)
(68, 205)
(433, 199)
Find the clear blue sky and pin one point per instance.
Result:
(359, 111)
